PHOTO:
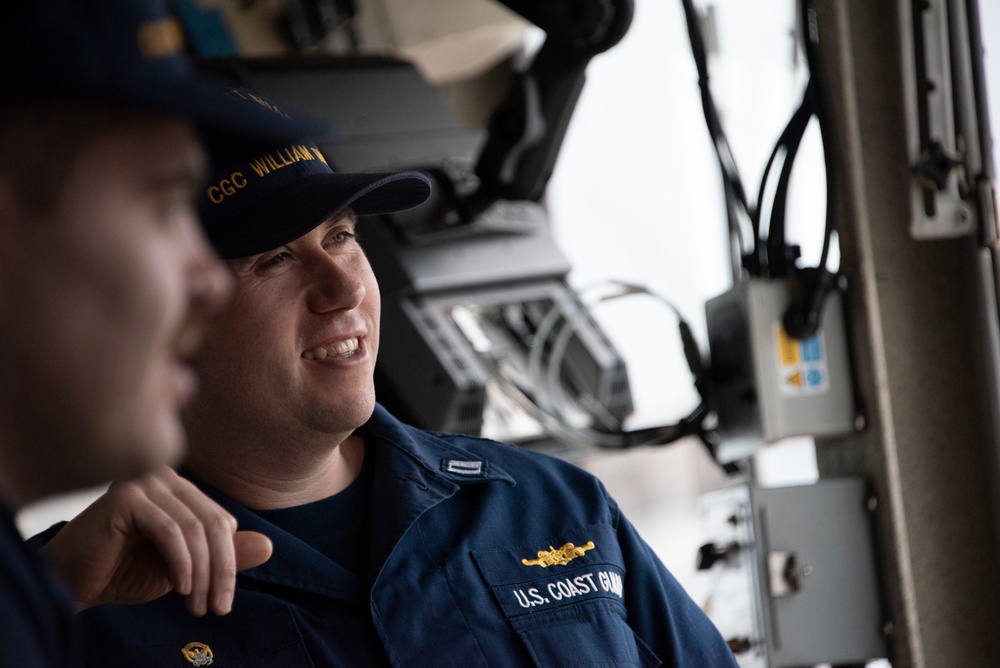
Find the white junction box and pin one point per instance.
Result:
(767, 384)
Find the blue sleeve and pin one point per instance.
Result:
(662, 614)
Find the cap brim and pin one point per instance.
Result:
(295, 209)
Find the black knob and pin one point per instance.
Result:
(710, 553)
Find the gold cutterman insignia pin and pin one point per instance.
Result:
(558, 557)
(198, 653)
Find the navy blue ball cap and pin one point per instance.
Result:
(130, 52)
(269, 197)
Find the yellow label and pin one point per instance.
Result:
(788, 348)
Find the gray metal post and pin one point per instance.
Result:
(922, 318)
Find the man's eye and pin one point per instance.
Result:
(179, 209)
(344, 236)
(272, 262)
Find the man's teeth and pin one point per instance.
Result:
(337, 348)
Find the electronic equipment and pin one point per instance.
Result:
(767, 385)
(793, 573)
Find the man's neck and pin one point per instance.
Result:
(264, 483)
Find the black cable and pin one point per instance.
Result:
(803, 317)
(829, 150)
(781, 257)
(777, 254)
(735, 193)
(776, 257)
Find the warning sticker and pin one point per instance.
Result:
(802, 363)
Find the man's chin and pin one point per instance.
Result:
(165, 446)
(172, 445)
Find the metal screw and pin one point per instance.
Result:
(860, 422)
(872, 503)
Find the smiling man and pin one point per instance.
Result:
(392, 545)
(106, 283)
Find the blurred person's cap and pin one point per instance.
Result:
(131, 52)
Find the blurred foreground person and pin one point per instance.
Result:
(106, 282)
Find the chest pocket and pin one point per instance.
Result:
(253, 635)
(564, 598)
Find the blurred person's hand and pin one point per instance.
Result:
(147, 536)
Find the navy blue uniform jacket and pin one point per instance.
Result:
(36, 612)
(482, 554)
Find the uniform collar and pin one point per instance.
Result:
(431, 455)
(414, 471)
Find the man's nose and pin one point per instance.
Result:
(336, 283)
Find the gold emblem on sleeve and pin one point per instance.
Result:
(558, 557)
